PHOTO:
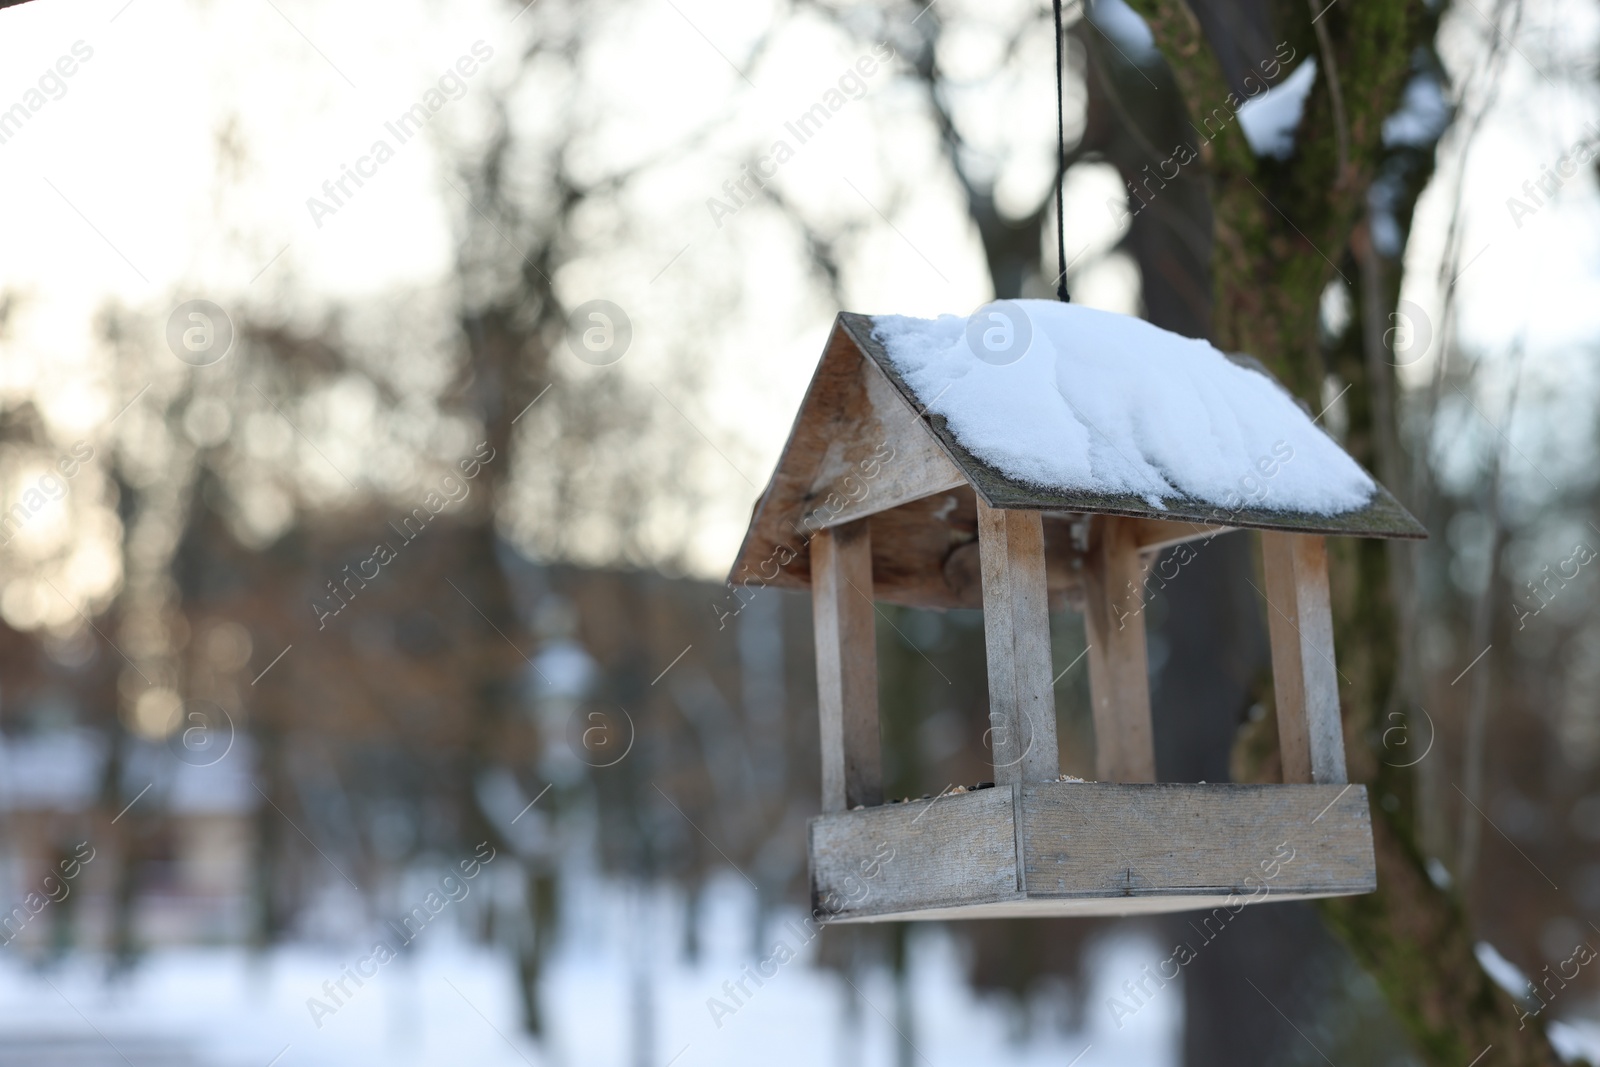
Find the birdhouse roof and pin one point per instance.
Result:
(1070, 411)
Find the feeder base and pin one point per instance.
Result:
(1043, 849)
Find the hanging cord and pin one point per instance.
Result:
(1061, 170)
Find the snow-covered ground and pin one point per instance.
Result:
(450, 1001)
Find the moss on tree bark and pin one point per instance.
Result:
(1280, 229)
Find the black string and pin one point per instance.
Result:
(1061, 170)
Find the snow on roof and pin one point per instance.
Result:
(1104, 403)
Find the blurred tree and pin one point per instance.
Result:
(1277, 222)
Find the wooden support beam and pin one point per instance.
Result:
(847, 667)
(1016, 630)
(1119, 683)
(1304, 677)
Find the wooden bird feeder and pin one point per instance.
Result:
(875, 500)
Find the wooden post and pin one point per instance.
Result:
(847, 666)
(1016, 631)
(1304, 678)
(1119, 683)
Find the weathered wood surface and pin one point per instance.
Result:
(918, 468)
(950, 850)
(1024, 907)
(1093, 849)
(1119, 685)
(1016, 631)
(847, 667)
(945, 527)
(1305, 679)
(912, 543)
(1101, 839)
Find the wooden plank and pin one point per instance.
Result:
(1094, 839)
(915, 466)
(1072, 908)
(946, 525)
(847, 667)
(1119, 684)
(911, 545)
(1016, 631)
(1305, 678)
(1093, 849)
(948, 851)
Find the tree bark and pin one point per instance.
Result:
(1280, 228)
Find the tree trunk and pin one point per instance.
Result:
(1279, 229)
